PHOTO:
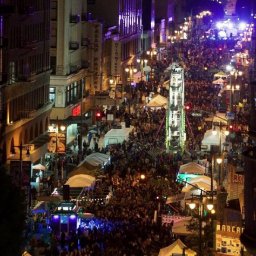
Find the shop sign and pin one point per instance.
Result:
(76, 111)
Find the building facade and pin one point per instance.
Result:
(122, 28)
(76, 50)
(24, 78)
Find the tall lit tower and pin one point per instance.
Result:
(175, 116)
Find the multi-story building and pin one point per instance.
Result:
(122, 35)
(76, 43)
(24, 77)
(148, 23)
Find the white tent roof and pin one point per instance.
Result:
(202, 181)
(115, 136)
(192, 168)
(218, 81)
(176, 248)
(220, 74)
(213, 139)
(39, 167)
(158, 101)
(96, 159)
(80, 181)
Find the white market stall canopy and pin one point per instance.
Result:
(115, 136)
(219, 81)
(96, 159)
(158, 102)
(39, 167)
(192, 168)
(176, 248)
(202, 182)
(211, 139)
(80, 181)
(220, 74)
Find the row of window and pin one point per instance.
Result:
(73, 92)
(21, 107)
(25, 36)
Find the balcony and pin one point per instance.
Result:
(73, 45)
(74, 18)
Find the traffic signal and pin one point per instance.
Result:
(98, 115)
(187, 107)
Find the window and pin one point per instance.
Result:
(52, 94)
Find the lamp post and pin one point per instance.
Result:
(210, 207)
(152, 53)
(143, 63)
(219, 159)
(236, 73)
(130, 70)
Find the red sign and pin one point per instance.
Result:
(76, 111)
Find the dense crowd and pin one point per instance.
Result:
(129, 223)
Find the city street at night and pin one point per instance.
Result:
(127, 127)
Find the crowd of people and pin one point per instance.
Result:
(141, 174)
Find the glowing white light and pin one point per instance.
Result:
(219, 25)
(222, 34)
(242, 26)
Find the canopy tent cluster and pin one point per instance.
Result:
(158, 102)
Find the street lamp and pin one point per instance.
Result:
(192, 206)
(219, 162)
(236, 73)
(152, 53)
(143, 63)
(220, 133)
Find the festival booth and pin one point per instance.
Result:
(220, 74)
(81, 181)
(212, 139)
(219, 81)
(64, 218)
(91, 165)
(176, 248)
(116, 136)
(37, 177)
(190, 170)
(158, 102)
(203, 182)
(96, 159)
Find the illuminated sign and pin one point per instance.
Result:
(76, 111)
(228, 240)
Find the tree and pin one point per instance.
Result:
(12, 216)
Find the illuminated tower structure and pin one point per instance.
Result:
(175, 116)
